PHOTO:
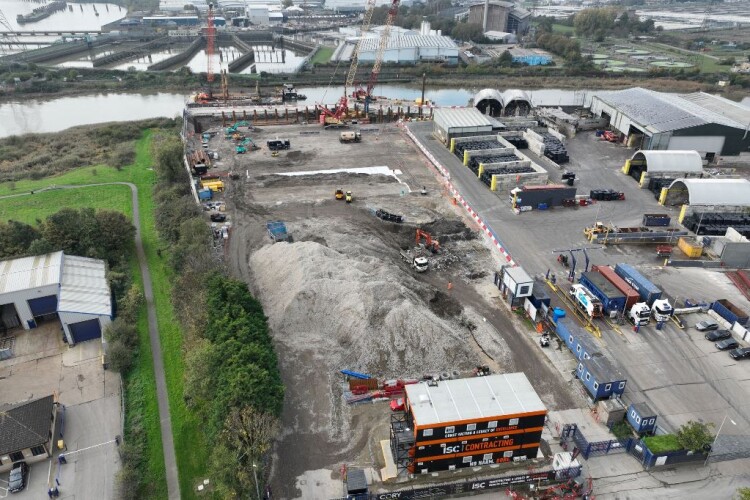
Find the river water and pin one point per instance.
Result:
(82, 17)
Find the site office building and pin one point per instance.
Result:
(467, 422)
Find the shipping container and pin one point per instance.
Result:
(641, 418)
(647, 291)
(205, 194)
(611, 298)
(499, 424)
(656, 220)
(491, 444)
(689, 247)
(475, 460)
(631, 295)
(600, 378)
(730, 312)
(551, 195)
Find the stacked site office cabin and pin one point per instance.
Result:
(469, 422)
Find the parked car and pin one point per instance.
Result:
(727, 344)
(718, 335)
(740, 353)
(19, 476)
(218, 217)
(707, 325)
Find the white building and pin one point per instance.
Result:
(257, 14)
(56, 286)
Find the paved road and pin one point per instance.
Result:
(170, 461)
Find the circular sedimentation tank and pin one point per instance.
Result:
(608, 63)
(633, 52)
(671, 64)
(599, 56)
(624, 69)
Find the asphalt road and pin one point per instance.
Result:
(165, 422)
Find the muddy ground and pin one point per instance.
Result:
(340, 296)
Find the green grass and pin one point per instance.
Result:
(190, 446)
(39, 205)
(322, 56)
(662, 444)
(562, 29)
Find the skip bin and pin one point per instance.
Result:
(689, 248)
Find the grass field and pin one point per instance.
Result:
(190, 447)
(322, 56)
(561, 28)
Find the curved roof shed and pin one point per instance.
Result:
(669, 161)
(717, 192)
(489, 99)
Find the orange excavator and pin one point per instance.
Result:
(429, 243)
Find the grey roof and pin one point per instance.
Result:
(519, 13)
(84, 287)
(488, 94)
(671, 161)
(658, 112)
(470, 399)
(461, 118)
(644, 410)
(499, 3)
(408, 42)
(518, 275)
(603, 369)
(716, 191)
(27, 424)
(30, 272)
(716, 104)
(511, 95)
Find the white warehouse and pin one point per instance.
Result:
(55, 285)
(409, 49)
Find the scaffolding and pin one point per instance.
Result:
(402, 441)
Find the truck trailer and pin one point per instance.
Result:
(647, 290)
(613, 301)
(631, 295)
(586, 301)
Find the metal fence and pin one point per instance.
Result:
(594, 448)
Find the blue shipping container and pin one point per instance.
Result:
(647, 290)
(600, 378)
(611, 298)
(641, 418)
(729, 311)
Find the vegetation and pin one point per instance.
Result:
(323, 55)
(622, 430)
(41, 155)
(228, 376)
(742, 494)
(662, 444)
(695, 436)
(599, 23)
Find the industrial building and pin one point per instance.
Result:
(451, 424)
(450, 123)
(511, 102)
(27, 431)
(657, 169)
(56, 286)
(408, 49)
(651, 120)
(496, 15)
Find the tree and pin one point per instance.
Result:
(468, 32)
(246, 439)
(595, 22)
(16, 238)
(742, 494)
(695, 436)
(505, 59)
(287, 3)
(168, 154)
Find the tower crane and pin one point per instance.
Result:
(366, 93)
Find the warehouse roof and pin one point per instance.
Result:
(409, 42)
(670, 161)
(658, 112)
(30, 272)
(715, 191)
(471, 399)
(717, 104)
(461, 118)
(25, 425)
(84, 287)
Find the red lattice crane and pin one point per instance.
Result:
(363, 93)
(210, 43)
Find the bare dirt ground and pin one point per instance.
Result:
(340, 297)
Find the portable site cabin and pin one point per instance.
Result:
(600, 378)
(641, 418)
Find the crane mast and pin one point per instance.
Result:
(210, 39)
(384, 38)
(366, 21)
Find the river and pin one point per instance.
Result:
(82, 16)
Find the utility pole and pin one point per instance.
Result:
(424, 80)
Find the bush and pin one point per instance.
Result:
(662, 444)
(120, 357)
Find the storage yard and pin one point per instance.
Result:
(332, 233)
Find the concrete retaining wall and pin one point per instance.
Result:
(180, 58)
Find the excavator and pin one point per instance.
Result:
(429, 243)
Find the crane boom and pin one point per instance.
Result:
(366, 21)
(384, 38)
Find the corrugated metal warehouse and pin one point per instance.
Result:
(468, 422)
(460, 122)
(46, 287)
(651, 120)
(409, 49)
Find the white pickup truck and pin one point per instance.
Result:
(417, 262)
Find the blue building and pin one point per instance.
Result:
(641, 418)
(600, 378)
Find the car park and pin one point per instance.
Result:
(19, 477)
(707, 325)
(717, 335)
(727, 344)
(740, 353)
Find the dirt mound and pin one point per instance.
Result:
(352, 309)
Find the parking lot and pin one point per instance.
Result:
(676, 371)
(43, 364)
